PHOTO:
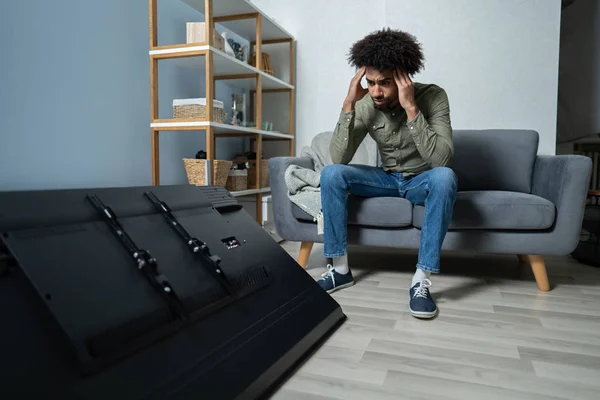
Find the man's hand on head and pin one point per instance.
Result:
(406, 94)
(356, 91)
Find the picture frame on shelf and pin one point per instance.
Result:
(238, 109)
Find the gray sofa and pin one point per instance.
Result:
(510, 200)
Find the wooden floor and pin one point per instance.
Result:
(496, 336)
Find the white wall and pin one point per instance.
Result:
(324, 31)
(497, 59)
(579, 76)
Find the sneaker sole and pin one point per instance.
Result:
(423, 314)
(345, 285)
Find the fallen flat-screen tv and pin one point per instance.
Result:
(149, 293)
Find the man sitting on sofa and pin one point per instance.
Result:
(411, 124)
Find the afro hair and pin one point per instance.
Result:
(388, 49)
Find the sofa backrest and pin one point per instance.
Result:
(366, 153)
(495, 159)
(484, 159)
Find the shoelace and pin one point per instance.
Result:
(423, 289)
(329, 273)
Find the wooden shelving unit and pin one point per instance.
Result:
(243, 18)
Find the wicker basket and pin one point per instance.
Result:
(197, 172)
(237, 180)
(264, 173)
(196, 108)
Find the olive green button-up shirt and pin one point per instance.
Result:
(410, 147)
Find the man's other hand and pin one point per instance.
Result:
(406, 93)
(356, 91)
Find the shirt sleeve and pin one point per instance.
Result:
(347, 137)
(433, 135)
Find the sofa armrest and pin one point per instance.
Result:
(287, 226)
(564, 180)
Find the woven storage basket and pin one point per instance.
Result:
(264, 173)
(197, 172)
(237, 180)
(196, 108)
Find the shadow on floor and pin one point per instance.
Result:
(487, 269)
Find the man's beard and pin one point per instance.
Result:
(388, 103)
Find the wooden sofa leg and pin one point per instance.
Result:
(305, 249)
(539, 271)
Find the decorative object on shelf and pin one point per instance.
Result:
(234, 48)
(237, 179)
(196, 33)
(244, 157)
(228, 50)
(240, 165)
(267, 126)
(197, 173)
(265, 64)
(196, 108)
(238, 109)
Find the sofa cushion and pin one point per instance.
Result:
(498, 159)
(496, 210)
(382, 212)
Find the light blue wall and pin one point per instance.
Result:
(74, 94)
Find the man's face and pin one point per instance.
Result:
(382, 88)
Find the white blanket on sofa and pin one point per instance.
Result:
(303, 184)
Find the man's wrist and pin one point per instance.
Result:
(411, 112)
(348, 106)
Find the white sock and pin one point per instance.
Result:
(340, 264)
(419, 276)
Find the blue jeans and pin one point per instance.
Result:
(435, 189)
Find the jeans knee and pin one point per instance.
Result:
(444, 178)
(330, 174)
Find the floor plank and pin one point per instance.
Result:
(560, 357)
(429, 335)
(346, 389)
(587, 377)
(500, 380)
(458, 390)
(432, 354)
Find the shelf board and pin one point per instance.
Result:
(223, 64)
(175, 125)
(245, 28)
(591, 139)
(239, 193)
